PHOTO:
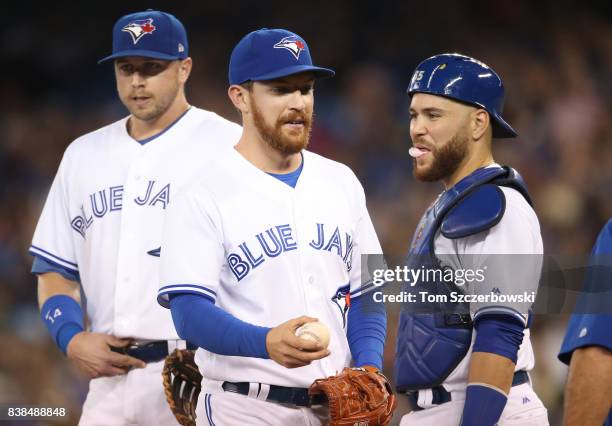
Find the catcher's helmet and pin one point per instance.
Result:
(466, 80)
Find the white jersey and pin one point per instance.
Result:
(266, 253)
(518, 233)
(104, 215)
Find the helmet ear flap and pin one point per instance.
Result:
(467, 80)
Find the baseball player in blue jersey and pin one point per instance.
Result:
(267, 242)
(467, 362)
(587, 347)
(100, 230)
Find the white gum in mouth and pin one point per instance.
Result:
(416, 152)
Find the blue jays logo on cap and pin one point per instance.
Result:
(139, 28)
(152, 34)
(259, 56)
(292, 44)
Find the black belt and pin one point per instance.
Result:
(279, 394)
(441, 395)
(148, 352)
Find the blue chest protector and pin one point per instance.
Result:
(434, 337)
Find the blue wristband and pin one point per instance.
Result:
(63, 317)
(483, 406)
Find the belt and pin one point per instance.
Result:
(278, 394)
(152, 351)
(441, 395)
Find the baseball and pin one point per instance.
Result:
(315, 331)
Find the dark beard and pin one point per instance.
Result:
(274, 136)
(446, 160)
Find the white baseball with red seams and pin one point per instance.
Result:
(315, 331)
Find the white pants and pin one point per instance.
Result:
(135, 398)
(523, 408)
(219, 408)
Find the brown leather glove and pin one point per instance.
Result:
(180, 368)
(357, 396)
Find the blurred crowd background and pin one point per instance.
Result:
(555, 58)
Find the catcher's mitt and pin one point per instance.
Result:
(357, 397)
(182, 385)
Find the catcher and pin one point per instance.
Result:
(283, 231)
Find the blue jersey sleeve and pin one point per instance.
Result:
(586, 330)
(592, 329)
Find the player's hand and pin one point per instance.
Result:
(290, 351)
(92, 354)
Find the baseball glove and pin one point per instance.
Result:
(182, 385)
(357, 396)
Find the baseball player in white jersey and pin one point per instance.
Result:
(466, 361)
(272, 242)
(100, 230)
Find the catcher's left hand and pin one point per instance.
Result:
(357, 396)
(182, 385)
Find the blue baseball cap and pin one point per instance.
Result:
(267, 54)
(150, 34)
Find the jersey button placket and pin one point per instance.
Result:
(303, 285)
(129, 222)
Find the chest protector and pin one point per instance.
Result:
(434, 337)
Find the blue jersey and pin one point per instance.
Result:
(591, 329)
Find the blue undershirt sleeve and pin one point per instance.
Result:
(366, 331)
(498, 334)
(199, 321)
(42, 265)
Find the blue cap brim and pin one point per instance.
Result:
(141, 53)
(318, 72)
